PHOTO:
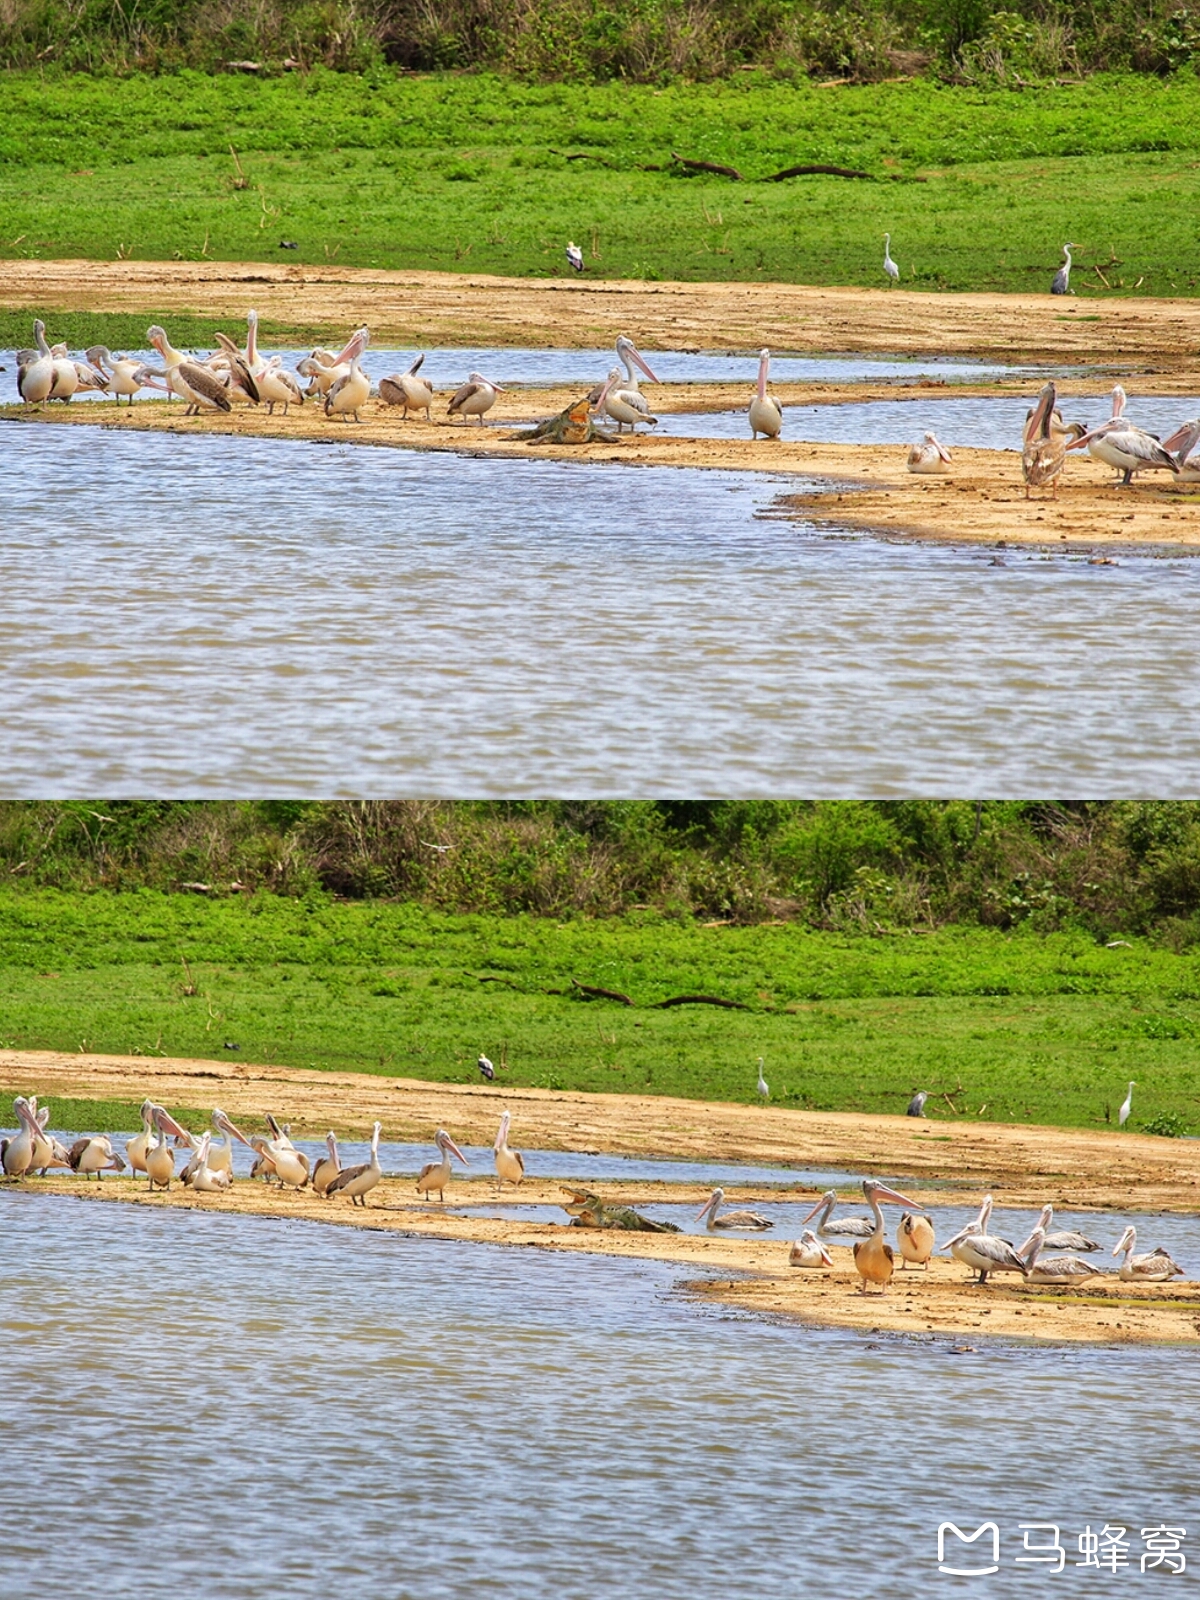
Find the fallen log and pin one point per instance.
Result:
(700, 1000)
(707, 166)
(600, 994)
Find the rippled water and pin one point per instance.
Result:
(229, 616)
(240, 1407)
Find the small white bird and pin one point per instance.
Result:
(575, 256)
(889, 266)
(1126, 1106)
(486, 1069)
(763, 1087)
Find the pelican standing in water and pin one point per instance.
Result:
(407, 390)
(889, 266)
(358, 1181)
(328, 1166)
(1154, 1267)
(766, 414)
(436, 1174)
(845, 1228)
(510, 1164)
(1126, 1105)
(748, 1221)
(764, 1088)
(915, 1237)
(808, 1251)
(475, 397)
(874, 1258)
(982, 1251)
(932, 456)
(1055, 1269)
(191, 381)
(1044, 442)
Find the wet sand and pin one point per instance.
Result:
(933, 1161)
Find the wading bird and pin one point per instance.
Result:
(121, 371)
(983, 1252)
(486, 1069)
(743, 1221)
(1044, 442)
(844, 1227)
(574, 256)
(190, 380)
(889, 266)
(874, 1258)
(916, 1106)
(1126, 1105)
(1062, 278)
(915, 1237)
(764, 1088)
(328, 1166)
(407, 390)
(358, 1181)
(16, 1153)
(436, 1174)
(624, 402)
(766, 414)
(1154, 1267)
(1119, 444)
(1060, 1239)
(35, 377)
(475, 397)
(932, 456)
(1055, 1269)
(808, 1251)
(510, 1164)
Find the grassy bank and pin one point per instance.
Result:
(1015, 1027)
(479, 174)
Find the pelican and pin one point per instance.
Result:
(86, 375)
(475, 397)
(323, 368)
(436, 1174)
(233, 363)
(407, 390)
(136, 1148)
(889, 266)
(574, 256)
(982, 1251)
(206, 1179)
(1182, 443)
(808, 1251)
(275, 385)
(328, 1166)
(931, 456)
(43, 1148)
(18, 1151)
(749, 1221)
(290, 1166)
(764, 1088)
(94, 1155)
(160, 1158)
(1063, 1239)
(510, 1164)
(916, 1106)
(66, 378)
(626, 403)
(1044, 442)
(1119, 444)
(1058, 1269)
(35, 378)
(1126, 1105)
(844, 1227)
(1062, 278)
(190, 380)
(915, 1238)
(220, 1159)
(358, 1182)
(121, 371)
(766, 414)
(348, 394)
(874, 1259)
(1155, 1267)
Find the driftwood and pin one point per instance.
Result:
(600, 994)
(815, 171)
(707, 166)
(700, 1000)
(818, 169)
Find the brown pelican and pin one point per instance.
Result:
(844, 1227)
(475, 397)
(35, 378)
(874, 1259)
(1044, 442)
(1061, 1239)
(764, 1088)
(808, 1251)
(1154, 1267)
(1062, 278)
(94, 1155)
(625, 402)
(1055, 1269)
(190, 380)
(747, 1221)
(1181, 444)
(510, 1164)
(18, 1151)
(766, 414)
(358, 1181)
(915, 1238)
(889, 266)
(348, 394)
(929, 457)
(982, 1251)
(328, 1166)
(436, 1174)
(1126, 1105)
(407, 390)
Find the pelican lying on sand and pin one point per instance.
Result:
(1154, 1267)
(845, 1227)
(1044, 442)
(766, 414)
(808, 1251)
(436, 1174)
(874, 1259)
(929, 457)
(745, 1221)
(1055, 1269)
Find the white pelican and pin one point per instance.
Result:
(766, 414)
(35, 378)
(348, 394)
(407, 390)
(510, 1164)
(915, 1238)
(1055, 1269)
(1044, 442)
(1061, 1239)
(323, 368)
(290, 1166)
(191, 381)
(625, 402)
(206, 1179)
(808, 1251)
(1126, 1105)
(230, 361)
(1154, 1267)
(358, 1181)
(220, 1157)
(121, 371)
(94, 1155)
(276, 386)
(436, 1174)
(889, 266)
(844, 1227)
(764, 1088)
(18, 1151)
(749, 1221)
(160, 1158)
(328, 1166)
(66, 375)
(42, 1147)
(574, 256)
(1119, 444)
(136, 1148)
(475, 397)
(874, 1258)
(932, 456)
(1062, 278)
(1181, 444)
(982, 1251)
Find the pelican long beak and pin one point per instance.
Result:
(639, 360)
(454, 1150)
(226, 1126)
(882, 1192)
(355, 346)
(165, 1122)
(820, 1203)
(826, 1257)
(709, 1205)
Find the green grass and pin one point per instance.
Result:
(1036, 1028)
(469, 173)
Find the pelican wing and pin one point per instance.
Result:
(391, 393)
(461, 396)
(345, 1176)
(204, 383)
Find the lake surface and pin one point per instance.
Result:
(239, 1407)
(214, 616)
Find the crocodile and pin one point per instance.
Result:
(589, 1211)
(572, 426)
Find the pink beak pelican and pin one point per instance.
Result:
(1182, 444)
(982, 1251)
(349, 394)
(121, 371)
(1061, 1239)
(328, 1166)
(358, 1181)
(160, 1158)
(206, 1179)
(475, 397)
(625, 403)
(766, 414)
(436, 1174)
(1154, 1267)
(136, 1148)
(1055, 1269)
(510, 1164)
(1118, 443)
(1044, 442)
(289, 1165)
(18, 1151)
(874, 1259)
(192, 382)
(744, 1221)
(808, 1251)
(94, 1155)
(844, 1227)
(35, 378)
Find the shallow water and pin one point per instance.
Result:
(236, 1407)
(192, 616)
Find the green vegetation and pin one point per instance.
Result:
(1014, 1026)
(471, 173)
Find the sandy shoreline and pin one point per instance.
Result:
(936, 1163)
